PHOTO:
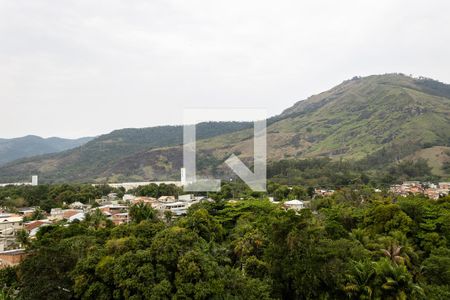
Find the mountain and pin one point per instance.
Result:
(31, 145)
(95, 158)
(379, 119)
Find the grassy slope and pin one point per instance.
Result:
(435, 156)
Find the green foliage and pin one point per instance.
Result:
(156, 191)
(355, 245)
(50, 196)
(141, 212)
(418, 170)
(324, 172)
(446, 167)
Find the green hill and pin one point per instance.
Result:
(378, 119)
(31, 145)
(98, 156)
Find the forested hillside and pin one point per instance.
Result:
(27, 146)
(379, 120)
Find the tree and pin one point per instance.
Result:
(396, 254)
(202, 223)
(168, 215)
(97, 219)
(395, 282)
(141, 212)
(23, 238)
(45, 272)
(360, 282)
(437, 267)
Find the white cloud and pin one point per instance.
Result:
(75, 68)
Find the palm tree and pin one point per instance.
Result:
(96, 219)
(395, 282)
(397, 254)
(360, 235)
(361, 280)
(23, 238)
(142, 212)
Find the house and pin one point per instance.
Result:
(294, 204)
(11, 258)
(128, 197)
(272, 200)
(120, 218)
(444, 185)
(436, 193)
(407, 188)
(56, 214)
(77, 205)
(27, 211)
(112, 196)
(10, 224)
(186, 198)
(33, 227)
(166, 199)
(177, 208)
(113, 209)
(29, 226)
(8, 217)
(77, 217)
(412, 184)
(63, 214)
(145, 200)
(428, 189)
(324, 192)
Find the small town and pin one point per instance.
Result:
(110, 206)
(430, 190)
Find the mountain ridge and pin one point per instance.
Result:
(32, 145)
(378, 118)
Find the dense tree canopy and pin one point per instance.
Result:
(352, 245)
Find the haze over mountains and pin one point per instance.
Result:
(31, 145)
(381, 119)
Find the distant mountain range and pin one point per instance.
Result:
(89, 161)
(381, 119)
(31, 145)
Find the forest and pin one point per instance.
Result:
(355, 244)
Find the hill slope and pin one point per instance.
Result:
(96, 157)
(27, 146)
(379, 119)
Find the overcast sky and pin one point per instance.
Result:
(83, 68)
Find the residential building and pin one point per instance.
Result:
(11, 258)
(294, 204)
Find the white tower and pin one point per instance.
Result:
(34, 180)
(183, 176)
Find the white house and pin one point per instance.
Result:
(128, 197)
(294, 204)
(79, 216)
(166, 199)
(187, 197)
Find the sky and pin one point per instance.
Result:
(87, 67)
